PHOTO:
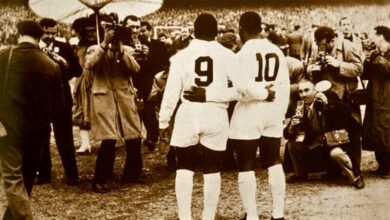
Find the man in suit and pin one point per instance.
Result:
(30, 92)
(62, 53)
(156, 59)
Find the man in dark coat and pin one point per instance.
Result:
(63, 54)
(157, 60)
(320, 113)
(376, 126)
(31, 94)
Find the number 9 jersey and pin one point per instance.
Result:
(259, 63)
(205, 64)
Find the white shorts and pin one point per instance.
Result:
(210, 127)
(251, 120)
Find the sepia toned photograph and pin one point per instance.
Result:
(195, 109)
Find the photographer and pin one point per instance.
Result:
(339, 61)
(63, 55)
(152, 57)
(114, 113)
(320, 114)
(376, 131)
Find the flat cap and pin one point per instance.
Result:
(30, 28)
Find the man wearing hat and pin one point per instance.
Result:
(30, 86)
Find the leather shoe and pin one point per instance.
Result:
(386, 175)
(100, 187)
(272, 218)
(359, 183)
(295, 178)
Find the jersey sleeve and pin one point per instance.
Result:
(172, 93)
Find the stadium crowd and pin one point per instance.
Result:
(325, 53)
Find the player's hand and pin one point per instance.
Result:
(271, 93)
(195, 94)
(163, 134)
(331, 61)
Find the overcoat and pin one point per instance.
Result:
(114, 112)
(376, 126)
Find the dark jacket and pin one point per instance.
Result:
(156, 61)
(325, 118)
(376, 126)
(32, 93)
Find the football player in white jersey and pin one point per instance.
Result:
(257, 123)
(206, 64)
(258, 116)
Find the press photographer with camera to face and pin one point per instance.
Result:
(318, 114)
(114, 113)
(341, 65)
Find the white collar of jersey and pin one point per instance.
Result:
(198, 42)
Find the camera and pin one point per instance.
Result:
(321, 58)
(121, 33)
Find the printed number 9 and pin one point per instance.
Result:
(205, 74)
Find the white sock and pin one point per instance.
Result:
(277, 183)
(84, 137)
(183, 189)
(211, 191)
(247, 186)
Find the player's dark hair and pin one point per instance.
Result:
(251, 22)
(383, 30)
(324, 33)
(205, 27)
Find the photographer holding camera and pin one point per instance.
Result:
(318, 114)
(340, 61)
(114, 113)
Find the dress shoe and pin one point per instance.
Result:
(359, 183)
(295, 178)
(100, 187)
(386, 175)
(272, 218)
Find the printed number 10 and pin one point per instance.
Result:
(267, 77)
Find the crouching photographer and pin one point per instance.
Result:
(114, 113)
(319, 136)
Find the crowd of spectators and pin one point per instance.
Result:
(365, 17)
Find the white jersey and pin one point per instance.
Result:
(203, 64)
(259, 63)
